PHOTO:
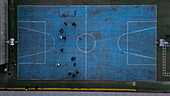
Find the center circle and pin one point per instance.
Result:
(87, 37)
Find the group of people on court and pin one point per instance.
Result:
(62, 31)
(71, 73)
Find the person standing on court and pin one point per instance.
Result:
(62, 49)
(74, 64)
(62, 31)
(63, 37)
(80, 38)
(73, 75)
(69, 73)
(65, 23)
(77, 72)
(73, 58)
(74, 24)
(58, 64)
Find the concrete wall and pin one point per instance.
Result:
(3, 30)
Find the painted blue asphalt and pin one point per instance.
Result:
(118, 42)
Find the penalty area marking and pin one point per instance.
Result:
(136, 32)
(127, 43)
(44, 45)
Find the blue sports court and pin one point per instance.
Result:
(117, 42)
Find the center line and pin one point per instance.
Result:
(85, 42)
(45, 57)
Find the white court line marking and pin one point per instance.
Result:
(127, 45)
(45, 43)
(127, 42)
(32, 63)
(44, 39)
(32, 21)
(84, 5)
(42, 33)
(85, 42)
(141, 21)
(131, 33)
(156, 41)
(141, 30)
(143, 64)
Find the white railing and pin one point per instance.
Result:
(164, 44)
